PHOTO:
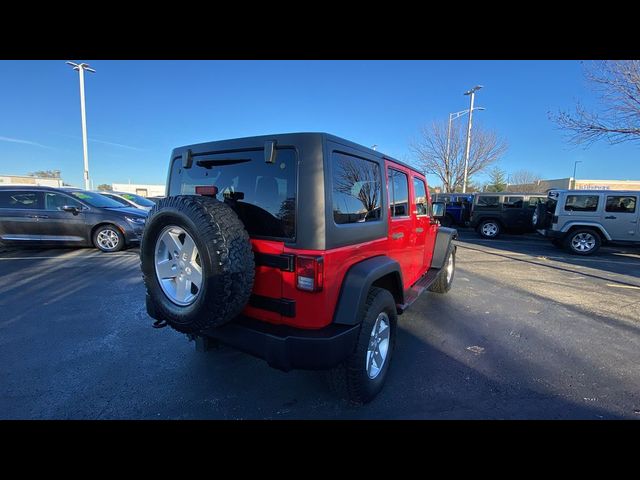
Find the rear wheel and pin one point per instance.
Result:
(584, 241)
(443, 282)
(489, 229)
(364, 372)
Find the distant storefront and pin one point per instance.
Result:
(140, 189)
(579, 184)
(28, 180)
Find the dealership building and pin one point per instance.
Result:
(30, 180)
(576, 184)
(143, 190)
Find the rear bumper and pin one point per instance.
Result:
(288, 348)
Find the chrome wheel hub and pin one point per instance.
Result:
(108, 239)
(378, 346)
(178, 265)
(583, 242)
(490, 229)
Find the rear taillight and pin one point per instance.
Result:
(309, 273)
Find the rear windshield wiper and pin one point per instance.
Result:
(221, 161)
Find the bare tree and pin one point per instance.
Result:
(617, 85)
(522, 177)
(431, 152)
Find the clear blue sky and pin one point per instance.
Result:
(138, 111)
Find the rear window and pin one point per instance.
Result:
(357, 189)
(513, 202)
(20, 200)
(488, 201)
(581, 203)
(262, 194)
(535, 201)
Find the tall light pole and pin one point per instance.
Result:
(81, 68)
(575, 164)
(453, 116)
(471, 92)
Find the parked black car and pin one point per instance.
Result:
(58, 216)
(493, 213)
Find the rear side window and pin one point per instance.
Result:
(421, 196)
(398, 193)
(488, 201)
(622, 204)
(20, 200)
(262, 194)
(535, 201)
(55, 201)
(581, 203)
(513, 202)
(357, 189)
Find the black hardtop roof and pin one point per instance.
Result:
(593, 192)
(291, 138)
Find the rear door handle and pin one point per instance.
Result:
(397, 236)
(610, 217)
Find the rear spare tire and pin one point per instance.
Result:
(197, 262)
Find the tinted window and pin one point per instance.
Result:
(623, 204)
(488, 201)
(513, 202)
(581, 203)
(121, 201)
(398, 193)
(55, 201)
(357, 189)
(137, 199)
(20, 200)
(262, 194)
(95, 199)
(420, 192)
(535, 201)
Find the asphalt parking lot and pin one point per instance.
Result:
(527, 332)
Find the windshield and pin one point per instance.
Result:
(121, 201)
(137, 199)
(95, 199)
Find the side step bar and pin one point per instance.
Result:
(418, 288)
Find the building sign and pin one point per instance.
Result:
(591, 186)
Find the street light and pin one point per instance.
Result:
(453, 116)
(81, 68)
(471, 92)
(575, 164)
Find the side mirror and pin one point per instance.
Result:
(70, 209)
(437, 209)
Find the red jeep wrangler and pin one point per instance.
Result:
(301, 249)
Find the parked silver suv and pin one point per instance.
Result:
(581, 220)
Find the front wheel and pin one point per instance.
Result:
(364, 372)
(108, 238)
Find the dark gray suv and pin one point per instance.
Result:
(58, 216)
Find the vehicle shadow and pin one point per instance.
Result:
(618, 260)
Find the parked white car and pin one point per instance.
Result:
(130, 200)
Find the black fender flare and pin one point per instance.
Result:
(442, 245)
(357, 282)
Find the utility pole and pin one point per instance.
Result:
(575, 164)
(453, 116)
(81, 68)
(471, 92)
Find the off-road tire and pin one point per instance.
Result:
(570, 236)
(443, 281)
(227, 261)
(350, 378)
